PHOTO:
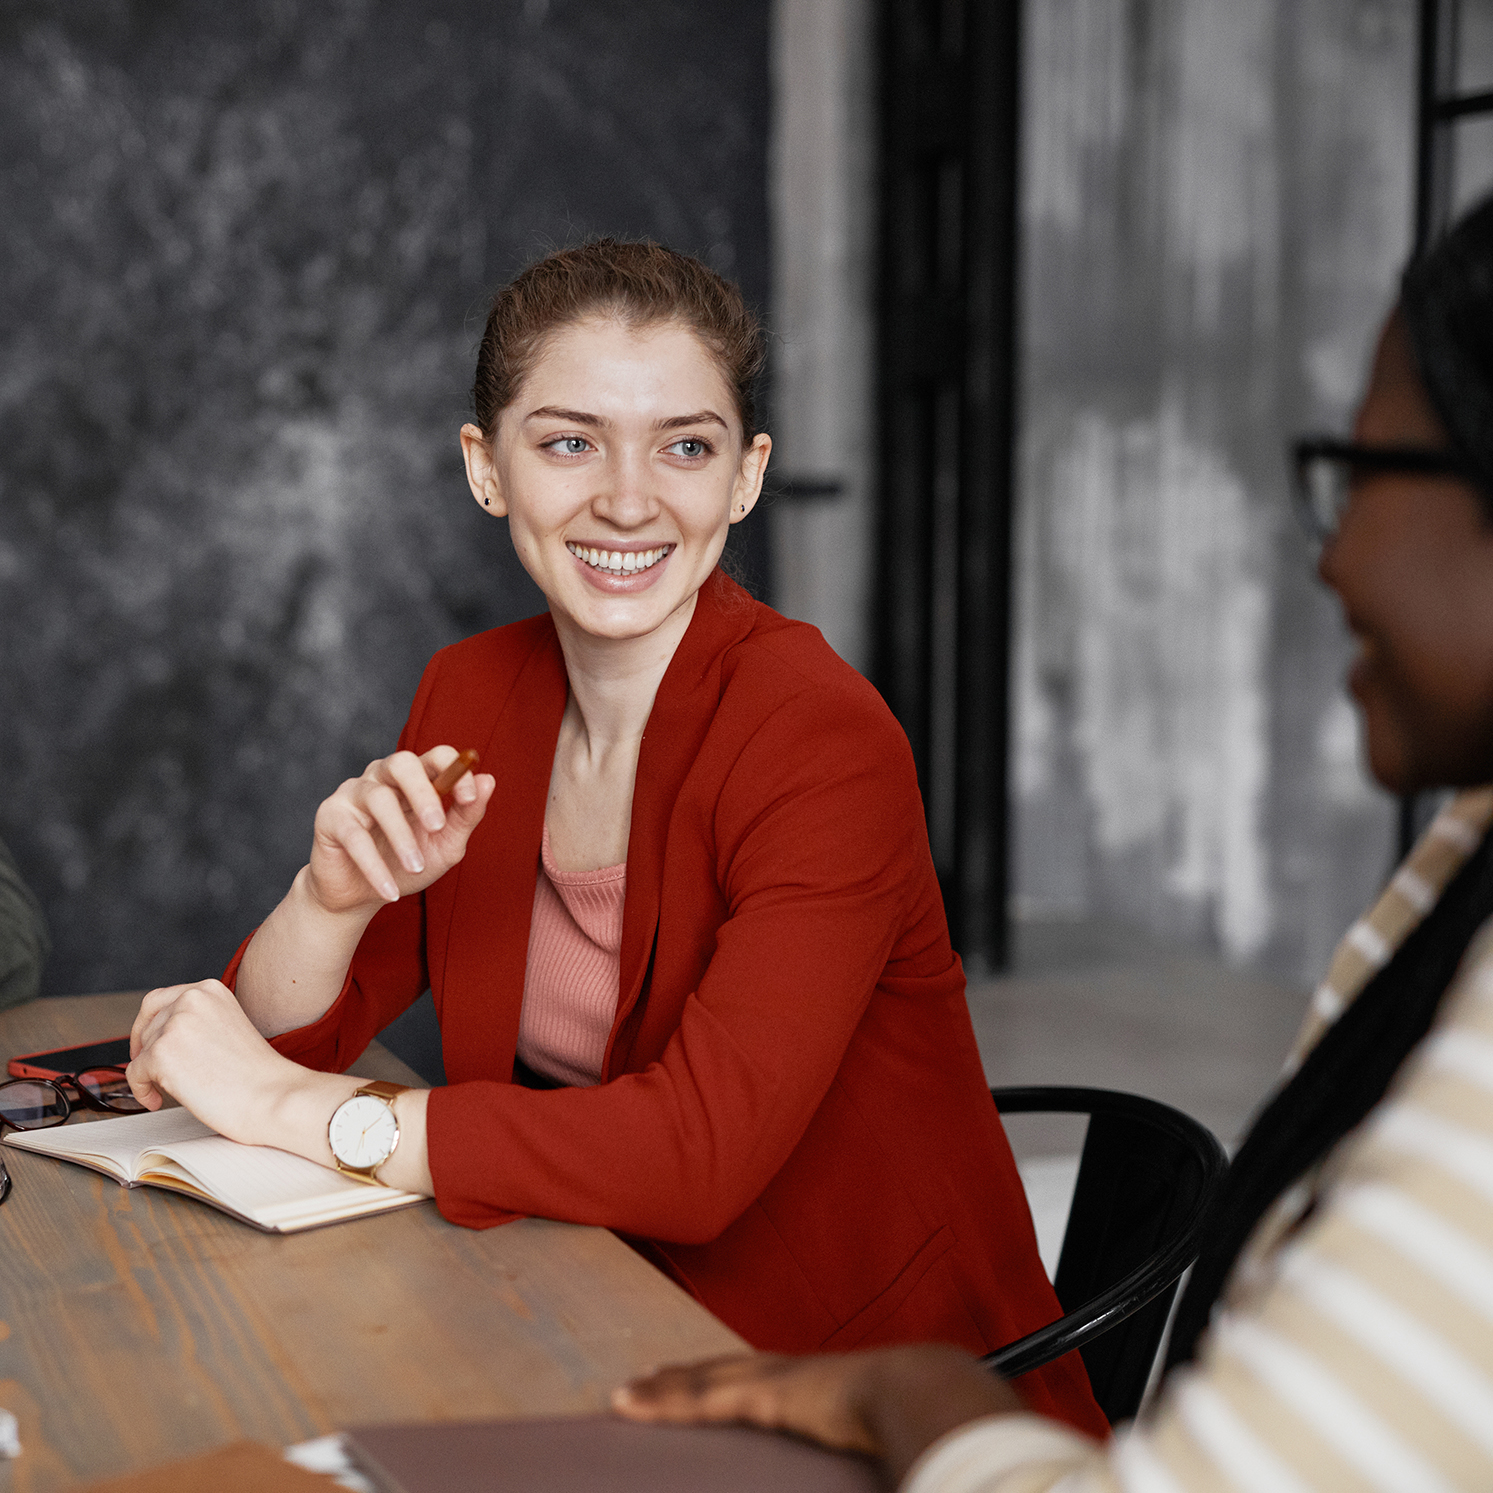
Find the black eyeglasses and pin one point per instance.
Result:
(41, 1103)
(1326, 469)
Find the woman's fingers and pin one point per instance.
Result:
(388, 812)
(199, 1047)
(466, 789)
(695, 1391)
(412, 775)
(360, 848)
(469, 801)
(155, 1011)
(385, 834)
(153, 1003)
(812, 1397)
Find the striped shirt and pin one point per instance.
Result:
(1353, 1346)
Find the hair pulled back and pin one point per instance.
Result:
(638, 283)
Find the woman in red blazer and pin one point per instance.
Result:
(790, 1116)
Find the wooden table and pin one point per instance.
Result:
(137, 1326)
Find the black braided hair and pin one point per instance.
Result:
(1446, 299)
(1342, 1079)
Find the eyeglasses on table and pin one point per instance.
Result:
(41, 1103)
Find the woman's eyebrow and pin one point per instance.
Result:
(700, 417)
(575, 417)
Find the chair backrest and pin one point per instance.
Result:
(1145, 1180)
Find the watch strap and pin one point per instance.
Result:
(380, 1088)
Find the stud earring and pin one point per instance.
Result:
(487, 502)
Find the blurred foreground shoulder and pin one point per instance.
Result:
(24, 942)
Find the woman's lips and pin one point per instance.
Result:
(612, 569)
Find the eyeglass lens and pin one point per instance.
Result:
(1323, 486)
(32, 1104)
(110, 1088)
(35, 1103)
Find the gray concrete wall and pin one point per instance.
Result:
(1217, 203)
(245, 252)
(823, 150)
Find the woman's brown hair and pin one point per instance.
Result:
(639, 284)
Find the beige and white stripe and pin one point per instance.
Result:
(1354, 1350)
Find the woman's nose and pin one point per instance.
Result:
(625, 496)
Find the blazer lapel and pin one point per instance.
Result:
(493, 900)
(677, 725)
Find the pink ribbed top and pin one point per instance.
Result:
(575, 960)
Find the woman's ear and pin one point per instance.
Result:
(748, 485)
(482, 472)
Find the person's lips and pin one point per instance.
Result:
(618, 571)
(619, 560)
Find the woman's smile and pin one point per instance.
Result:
(615, 568)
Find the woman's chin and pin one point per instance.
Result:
(625, 615)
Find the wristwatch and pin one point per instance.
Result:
(363, 1131)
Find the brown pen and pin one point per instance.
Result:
(449, 777)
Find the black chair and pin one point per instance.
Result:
(1146, 1177)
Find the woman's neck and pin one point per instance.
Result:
(613, 681)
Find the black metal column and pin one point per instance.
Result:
(946, 367)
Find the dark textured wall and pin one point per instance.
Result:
(244, 256)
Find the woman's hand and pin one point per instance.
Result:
(195, 1043)
(385, 835)
(890, 1403)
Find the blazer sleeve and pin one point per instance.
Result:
(824, 862)
(388, 972)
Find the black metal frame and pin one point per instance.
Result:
(1146, 1179)
(946, 401)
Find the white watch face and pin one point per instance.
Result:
(363, 1131)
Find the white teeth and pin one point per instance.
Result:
(619, 562)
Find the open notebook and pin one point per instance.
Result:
(271, 1189)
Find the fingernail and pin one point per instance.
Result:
(434, 822)
(415, 864)
(390, 891)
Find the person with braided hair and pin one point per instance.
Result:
(1336, 1332)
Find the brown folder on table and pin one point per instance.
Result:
(597, 1455)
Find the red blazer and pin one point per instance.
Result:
(793, 1121)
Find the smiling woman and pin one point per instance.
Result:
(685, 937)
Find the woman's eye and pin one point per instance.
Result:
(570, 445)
(691, 446)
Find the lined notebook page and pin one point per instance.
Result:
(255, 1179)
(123, 1140)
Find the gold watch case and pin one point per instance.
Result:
(363, 1132)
